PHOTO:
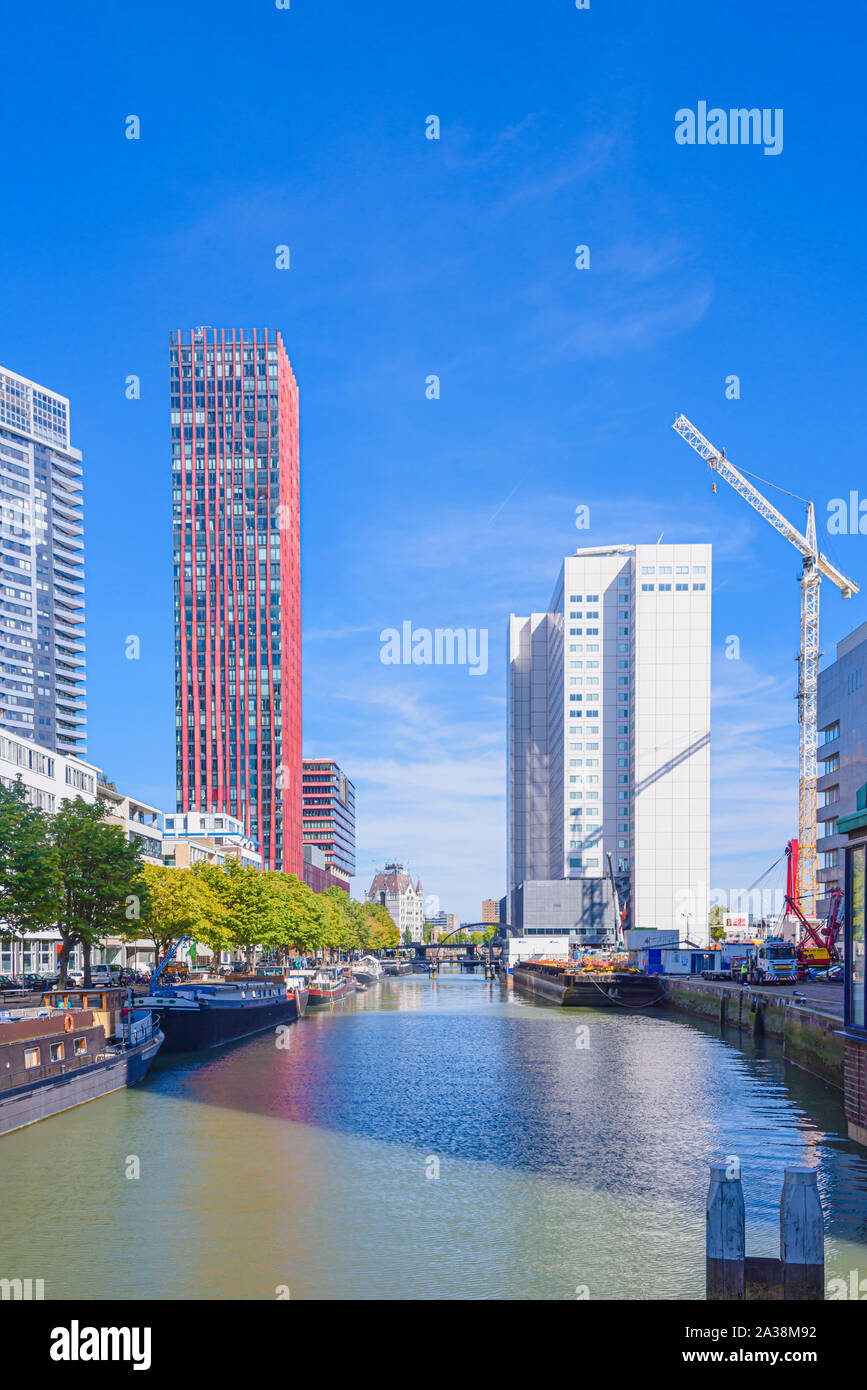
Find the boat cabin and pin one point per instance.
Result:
(106, 1002)
(38, 1044)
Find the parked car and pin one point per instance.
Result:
(105, 975)
(33, 982)
(7, 984)
(73, 978)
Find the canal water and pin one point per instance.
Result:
(430, 1139)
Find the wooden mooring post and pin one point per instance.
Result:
(798, 1274)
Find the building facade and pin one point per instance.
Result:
(328, 816)
(439, 924)
(318, 873)
(138, 820)
(42, 662)
(609, 731)
(842, 755)
(198, 837)
(401, 898)
(49, 779)
(237, 578)
(490, 910)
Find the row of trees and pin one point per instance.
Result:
(76, 874)
(236, 908)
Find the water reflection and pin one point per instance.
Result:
(559, 1165)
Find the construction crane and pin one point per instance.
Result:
(814, 566)
(619, 913)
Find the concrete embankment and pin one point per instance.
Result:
(809, 1032)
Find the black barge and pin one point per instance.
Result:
(587, 989)
(198, 1016)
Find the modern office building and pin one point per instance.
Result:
(235, 491)
(328, 816)
(609, 737)
(42, 663)
(318, 873)
(842, 755)
(402, 899)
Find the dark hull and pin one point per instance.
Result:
(578, 991)
(321, 996)
(193, 1030)
(365, 979)
(52, 1095)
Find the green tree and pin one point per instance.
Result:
(300, 916)
(382, 933)
(247, 905)
(338, 920)
(29, 874)
(99, 873)
(176, 903)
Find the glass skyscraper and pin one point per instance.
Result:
(42, 662)
(237, 581)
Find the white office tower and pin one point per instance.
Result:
(609, 732)
(41, 567)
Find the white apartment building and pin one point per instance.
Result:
(49, 779)
(204, 837)
(42, 663)
(609, 731)
(401, 898)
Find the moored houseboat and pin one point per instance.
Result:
(76, 1046)
(203, 1015)
(330, 984)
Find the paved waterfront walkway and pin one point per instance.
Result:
(825, 998)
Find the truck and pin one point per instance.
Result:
(772, 961)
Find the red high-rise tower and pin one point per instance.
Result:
(237, 569)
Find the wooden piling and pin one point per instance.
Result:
(725, 1240)
(802, 1235)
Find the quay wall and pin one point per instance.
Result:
(811, 1039)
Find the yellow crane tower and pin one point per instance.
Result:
(814, 566)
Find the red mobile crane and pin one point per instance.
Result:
(824, 948)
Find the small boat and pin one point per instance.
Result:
(197, 1016)
(360, 988)
(298, 981)
(329, 984)
(368, 970)
(76, 1046)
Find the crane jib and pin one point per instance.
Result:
(815, 567)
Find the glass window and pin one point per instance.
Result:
(31, 1057)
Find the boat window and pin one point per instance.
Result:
(79, 1044)
(57, 1052)
(31, 1056)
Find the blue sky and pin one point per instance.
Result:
(412, 257)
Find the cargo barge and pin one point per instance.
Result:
(586, 989)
